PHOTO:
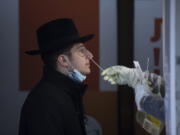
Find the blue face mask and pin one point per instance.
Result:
(76, 75)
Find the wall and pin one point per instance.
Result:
(33, 14)
(11, 98)
(108, 38)
(177, 66)
(146, 13)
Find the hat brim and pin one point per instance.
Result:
(70, 42)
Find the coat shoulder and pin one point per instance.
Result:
(47, 96)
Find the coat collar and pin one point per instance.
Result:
(74, 88)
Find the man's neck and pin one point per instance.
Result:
(62, 70)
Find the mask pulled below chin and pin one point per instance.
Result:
(76, 75)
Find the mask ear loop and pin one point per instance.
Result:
(66, 58)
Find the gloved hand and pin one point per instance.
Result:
(122, 75)
(144, 83)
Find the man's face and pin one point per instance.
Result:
(80, 58)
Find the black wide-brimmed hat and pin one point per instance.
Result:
(58, 35)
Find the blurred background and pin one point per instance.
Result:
(125, 30)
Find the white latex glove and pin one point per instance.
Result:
(122, 75)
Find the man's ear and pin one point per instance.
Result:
(62, 61)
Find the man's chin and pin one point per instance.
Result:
(87, 72)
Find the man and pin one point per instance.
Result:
(54, 106)
(144, 85)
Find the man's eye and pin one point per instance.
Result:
(82, 49)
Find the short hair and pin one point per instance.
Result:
(50, 58)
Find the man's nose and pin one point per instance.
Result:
(89, 55)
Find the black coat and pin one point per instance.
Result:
(53, 107)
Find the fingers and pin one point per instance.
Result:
(116, 74)
(109, 75)
(113, 70)
(110, 79)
